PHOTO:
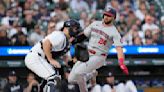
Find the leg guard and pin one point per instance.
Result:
(50, 87)
(53, 84)
(42, 85)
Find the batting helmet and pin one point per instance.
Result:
(74, 27)
(110, 12)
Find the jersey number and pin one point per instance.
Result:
(102, 41)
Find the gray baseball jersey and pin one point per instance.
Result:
(102, 38)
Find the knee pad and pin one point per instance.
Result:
(54, 78)
(42, 85)
(50, 87)
(53, 84)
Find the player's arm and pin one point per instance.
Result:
(83, 35)
(121, 59)
(120, 54)
(79, 38)
(47, 46)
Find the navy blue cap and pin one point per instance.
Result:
(110, 12)
(12, 73)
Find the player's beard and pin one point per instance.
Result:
(108, 22)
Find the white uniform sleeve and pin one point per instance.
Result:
(87, 30)
(56, 39)
(130, 86)
(120, 88)
(96, 88)
(106, 88)
(117, 39)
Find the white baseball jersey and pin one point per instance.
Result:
(57, 39)
(102, 38)
(36, 60)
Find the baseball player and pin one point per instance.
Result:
(102, 35)
(41, 58)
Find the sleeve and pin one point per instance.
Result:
(117, 39)
(130, 85)
(55, 39)
(87, 30)
(120, 88)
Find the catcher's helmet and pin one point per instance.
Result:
(74, 27)
(110, 12)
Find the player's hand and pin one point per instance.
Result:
(55, 63)
(124, 68)
(34, 82)
(71, 39)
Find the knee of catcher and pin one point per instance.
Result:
(50, 87)
(54, 78)
(52, 83)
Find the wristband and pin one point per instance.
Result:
(121, 60)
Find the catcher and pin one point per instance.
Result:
(42, 57)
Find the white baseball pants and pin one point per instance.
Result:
(39, 65)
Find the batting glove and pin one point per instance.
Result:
(123, 66)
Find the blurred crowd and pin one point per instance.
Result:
(106, 83)
(25, 22)
(13, 83)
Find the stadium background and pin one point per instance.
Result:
(140, 22)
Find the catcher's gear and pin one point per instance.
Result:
(50, 87)
(53, 84)
(110, 12)
(74, 27)
(79, 38)
(80, 52)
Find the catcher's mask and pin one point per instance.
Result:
(73, 27)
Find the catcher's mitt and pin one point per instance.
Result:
(80, 52)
